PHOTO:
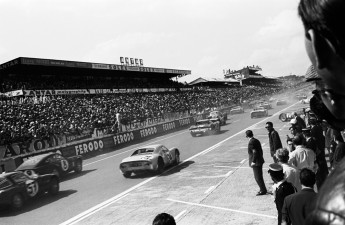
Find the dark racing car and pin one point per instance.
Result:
(17, 187)
(52, 163)
(205, 127)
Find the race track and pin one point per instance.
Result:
(212, 185)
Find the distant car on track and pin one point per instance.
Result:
(152, 158)
(52, 163)
(17, 187)
(258, 112)
(222, 117)
(265, 105)
(205, 127)
(300, 96)
(236, 110)
(281, 102)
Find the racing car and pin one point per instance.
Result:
(152, 158)
(265, 105)
(17, 187)
(236, 110)
(205, 127)
(221, 117)
(300, 96)
(258, 112)
(281, 102)
(52, 163)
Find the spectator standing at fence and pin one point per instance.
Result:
(256, 160)
(274, 140)
(299, 205)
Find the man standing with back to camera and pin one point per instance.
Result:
(256, 160)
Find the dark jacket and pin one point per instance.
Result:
(275, 142)
(283, 190)
(297, 206)
(339, 153)
(255, 152)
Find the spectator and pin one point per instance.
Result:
(339, 152)
(281, 187)
(299, 121)
(164, 219)
(302, 157)
(299, 205)
(274, 140)
(291, 172)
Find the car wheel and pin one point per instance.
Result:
(54, 187)
(56, 172)
(193, 135)
(177, 158)
(127, 174)
(17, 202)
(78, 167)
(160, 166)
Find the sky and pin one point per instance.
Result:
(204, 36)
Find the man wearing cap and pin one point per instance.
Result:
(256, 160)
(281, 187)
(274, 140)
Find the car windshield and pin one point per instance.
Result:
(203, 122)
(143, 151)
(33, 160)
(214, 113)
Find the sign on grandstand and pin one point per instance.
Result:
(131, 61)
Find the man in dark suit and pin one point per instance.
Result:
(274, 139)
(298, 206)
(281, 187)
(256, 160)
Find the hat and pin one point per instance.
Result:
(311, 74)
(275, 167)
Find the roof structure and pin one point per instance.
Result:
(201, 80)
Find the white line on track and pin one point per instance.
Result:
(222, 208)
(235, 121)
(110, 201)
(180, 214)
(242, 161)
(210, 189)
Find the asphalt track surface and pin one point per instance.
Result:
(212, 185)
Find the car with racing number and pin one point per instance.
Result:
(17, 187)
(236, 110)
(151, 158)
(281, 102)
(258, 112)
(53, 163)
(222, 117)
(205, 127)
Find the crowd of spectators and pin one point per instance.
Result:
(22, 119)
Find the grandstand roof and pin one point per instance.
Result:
(25, 65)
(212, 80)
